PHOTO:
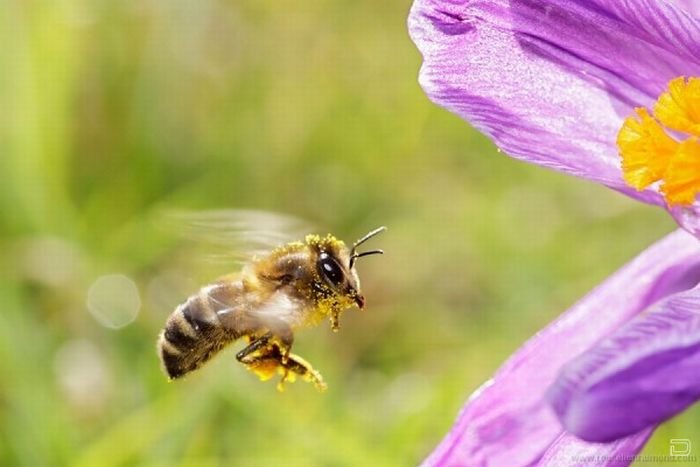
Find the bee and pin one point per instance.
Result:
(294, 286)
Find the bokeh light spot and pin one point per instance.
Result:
(81, 371)
(51, 261)
(113, 300)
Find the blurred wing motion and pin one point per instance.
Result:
(235, 235)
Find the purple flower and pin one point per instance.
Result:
(567, 84)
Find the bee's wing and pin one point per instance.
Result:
(236, 235)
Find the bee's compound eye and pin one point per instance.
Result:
(330, 269)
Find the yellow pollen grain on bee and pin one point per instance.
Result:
(650, 155)
(329, 241)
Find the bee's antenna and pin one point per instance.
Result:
(353, 253)
(365, 238)
(364, 253)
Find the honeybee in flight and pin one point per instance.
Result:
(293, 286)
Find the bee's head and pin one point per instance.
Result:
(335, 266)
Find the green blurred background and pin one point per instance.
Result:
(112, 111)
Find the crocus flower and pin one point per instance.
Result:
(606, 90)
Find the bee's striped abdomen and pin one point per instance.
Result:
(192, 335)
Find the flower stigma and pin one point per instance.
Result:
(650, 155)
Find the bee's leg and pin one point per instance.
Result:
(265, 358)
(257, 344)
(294, 365)
(262, 366)
(283, 338)
(298, 365)
(270, 329)
(259, 357)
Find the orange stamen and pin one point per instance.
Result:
(645, 149)
(679, 108)
(650, 155)
(682, 179)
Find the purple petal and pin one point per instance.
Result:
(507, 421)
(688, 217)
(658, 22)
(690, 6)
(572, 452)
(550, 81)
(641, 375)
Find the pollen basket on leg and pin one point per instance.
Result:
(650, 155)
